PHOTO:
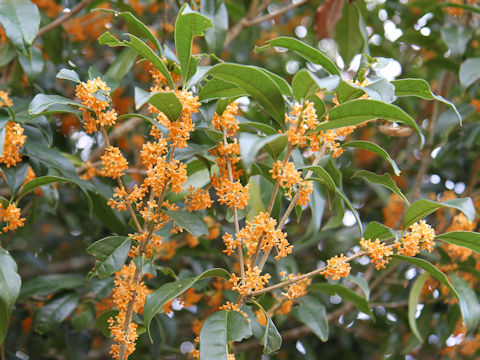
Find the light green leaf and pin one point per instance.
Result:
(220, 328)
(468, 301)
(384, 180)
(220, 89)
(165, 101)
(349, 33)
(456, 38)
(382, 90)
(40, 181)
(303, 84)
(420, 88)
(413, 299)
(375, 230)
(190, 221)
(367, 145)
(10, 283)
(324, 176)
(312, 313)
(41, 103)
(282, 84)
(271, 340)
(110, 253)
(357, 111)
(469, 71)
(345, 293)
(21, 21)
(421, 208)
(54, 312)
(122, 65)
(68, 74)
(167, 292)
(306, 51)
(256, 83)
(466, 239)
(189, 24)
(251, 144)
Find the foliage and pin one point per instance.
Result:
(224, 179)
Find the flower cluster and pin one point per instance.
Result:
(420, 235)
(297, 289)
(233, 307)
(253, 281)
(95, 95)
(114, 164)
(198, 199)
(337, 267)
(14, 138)
(12, 216)
(378, 252)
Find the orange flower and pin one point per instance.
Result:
(233, 307)
(12, 217)
(336, 268)
(14, 140)
(253, 281)
(377, 251)
(198, 199)
(114, 164)
(286, 176)
(296, 289)
(305, 188)
(231, 193)
(227, 122)
(420, 234)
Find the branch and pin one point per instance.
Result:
(62, 19)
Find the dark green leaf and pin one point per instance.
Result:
(54, 312)
(357, 111)
(421, 208)
(189, 24)
(190, 221)
(307, 52)
(10, 283)
(110, 253)
(312, 313)
(251, 144)
(15, 176)
(41, 103)
(281, 82)
(467, 239)
(34, 65)
(21, 20)
(40, 181)
(157, 299)
(271, 340)
(256, 84)
(101, 322)
(219, 89)
(384, 180)
(375, 230)
(303, 84)
(220, 328)
(413, 299)
(165, 101)
(48, 284)
(420, 88)
(468, 301)
(349, 33)
(122, 65)
(324, 176)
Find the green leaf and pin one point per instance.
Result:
(466, 239)
(68, 74)
(167, 292)
(41, 103)
(384, 180)
(21, 21)
(189, 24)
(349, 33)
(48, 284)
(468, 301)
(420, 88)
(110, 253)
(469, 71)
(142, 49)
(346, 294)
(220, 89)
(347, 91)
(190, 221)
(165, 101)
(256, 83)
(32, 66)
(324, 176)
(215, 37)
(271, 340)
(40, 181)
(350, 206)
(307, 52)
(101, 322)
(303, 85)
(15, 176)
(140, 27)
(456, 38)
(55, 311)
(251, 144)
(375, 230)
(220, 328)
(382, 90)
(421, 208)
(357, 111)
(282, 84)
(312, 313)
(10, 283)
(367, 145)
(413, 299)
(122, 65)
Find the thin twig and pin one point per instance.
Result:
(62, 19)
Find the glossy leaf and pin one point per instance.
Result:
(167, 292)
(271, 340)
(189, 24)
(303, 85)
(470, 71)
(421, 208)
(220, 328)
(68, 74)
(307, 52)
(420, 88)
(384, 180)
(190, 221)
(349, 33)
(251, 144)
(110, 253)
(324, 176)
(40, 181)
(367, 145)
(376, 230)
(346, 294)
(256, 84)
(54, 312)
(466, 239)
(10, 283)
(413, 298)
(312, 313)
(48, 284)
(41, 103)
(21, 21)
(220, 89)
(165, 101)
(357, 111)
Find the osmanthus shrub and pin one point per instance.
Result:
(213, 200)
